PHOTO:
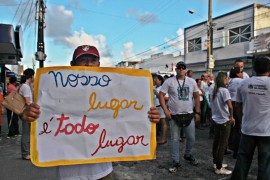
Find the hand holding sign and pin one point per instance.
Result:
(97, 121)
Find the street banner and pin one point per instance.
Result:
(92, 115)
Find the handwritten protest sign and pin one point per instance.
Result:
(91, 115)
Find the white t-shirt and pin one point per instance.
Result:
(84, 171)
(178, 104)
(219, 108)
(254, 93)
(156, 99)
(204, 87)
(25, 91)
(232, 87)
(157, 103)
(200, 93)
(210, 92)
(245, 75)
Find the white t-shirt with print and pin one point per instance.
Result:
(232, 87)
(219, 107)
(178, 104)
(254, 93)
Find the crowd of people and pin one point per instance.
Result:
(233, 106)
(25, 88)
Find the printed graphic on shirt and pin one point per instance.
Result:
(257, 89)
(184, 94)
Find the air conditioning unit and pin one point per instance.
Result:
(10, 44)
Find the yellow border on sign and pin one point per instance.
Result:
(130, 72)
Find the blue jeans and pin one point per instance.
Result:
(245, 155)
(175, 135)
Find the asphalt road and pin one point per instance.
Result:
(12, 167)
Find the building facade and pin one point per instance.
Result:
(234, 37)
(161, 63)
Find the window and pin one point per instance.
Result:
(194, 45)
(240, 34)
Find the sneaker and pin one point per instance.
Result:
(10, 136)
(174, 166)
(26, 157)
(228, 151)
(223, 165)
(191, 159)
(223, 171)
(16, 135)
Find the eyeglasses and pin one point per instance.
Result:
(182, 67)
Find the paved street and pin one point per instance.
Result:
(12, 167)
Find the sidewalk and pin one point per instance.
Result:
(14, 168)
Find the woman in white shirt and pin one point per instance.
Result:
(222, 115)
(26, 90)
(158, 81)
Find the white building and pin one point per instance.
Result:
(161, 63)
(157, 63)
(233, 38)
(128, 64)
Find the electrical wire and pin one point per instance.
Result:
(143, 52)
(23, 12)
(28, 16)
(16, 11)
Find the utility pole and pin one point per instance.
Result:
(40, 54)
(209, 56)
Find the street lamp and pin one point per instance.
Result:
(209, 56)
(190, 11)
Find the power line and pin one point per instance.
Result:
(23, 12)
(143, 52)
(16, 11)
(29, 12)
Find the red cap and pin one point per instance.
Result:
(85, 49)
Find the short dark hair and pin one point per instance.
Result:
(234, 71)
(261, 64)
(197, 80)
(154, 75)
(12, 80)
(189, 71)
(238, 60)
(28, 73)
(160, 78)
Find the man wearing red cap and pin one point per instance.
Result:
(84, 56)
